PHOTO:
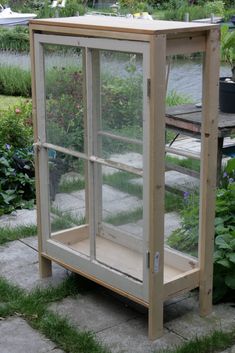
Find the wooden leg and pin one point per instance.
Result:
(209, 139)
(155, 320)
(45, 267)
(205, 297)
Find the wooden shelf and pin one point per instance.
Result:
(119, 257)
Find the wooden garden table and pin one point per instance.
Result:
(186, 119)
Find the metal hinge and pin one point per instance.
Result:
(148, 259)
(148, 87)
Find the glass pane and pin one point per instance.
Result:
(121, 152)
(119, 205)
(64, 96)
(119, 242)
(122, 93)
(67, 196)
(182, 176)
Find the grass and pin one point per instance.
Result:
(64, 220)
(15, 81)
(10, 234)
(71, 185)
(33, 307)
(192, 164)
(217, 341)
(122, 182)
(173, 99)
(125, 217)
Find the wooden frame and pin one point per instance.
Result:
(147, 272)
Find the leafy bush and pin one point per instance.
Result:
(14, 81)
(14, 39)
(215, 7)
(178, 13)
(65, 107)
(135, 6)
(186, 238)
(16, 179)
(72, 8)
(16, 126)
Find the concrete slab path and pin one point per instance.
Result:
(118, 323)
(18, 337)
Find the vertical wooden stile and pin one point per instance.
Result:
(45, 267)
(84, 87)
(156, 183)
(208, 168)
(41, 165)
(97, 140)
(94, 170)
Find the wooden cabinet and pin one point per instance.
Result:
(99, 87)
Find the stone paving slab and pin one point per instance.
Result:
(32, 242)
(94, 311)
(18, 337)
(176, 180)
(132, 337)
(184, 320)
(19, 218)
(230, 350)
(172, 222)
(120, 325)
(19, 265)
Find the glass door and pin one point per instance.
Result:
(92, 109)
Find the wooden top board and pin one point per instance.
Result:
(123, 24)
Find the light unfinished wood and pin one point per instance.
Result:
(139, 269)
(125, 25)
(45, 265)
(208, 169)
(96, 279)
(120, 138)
(117, 165)
(62, 150)
(72, 235)
(146, 168)
(156, 190)
(187, 45)
(180, 260)
(96, 140)
(93, 43)
(120, 256)
(124, 238)
(182, 284)
(90, 152)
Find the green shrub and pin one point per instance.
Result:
(16, 126)
(72, 8)
(195, 12)
(186, 237)
(16, 179)
(14, 39)
(215, 7)
(14, 81)
(135, 6)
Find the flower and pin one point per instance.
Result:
(7, 146)
(186, 195)
(17, 111)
